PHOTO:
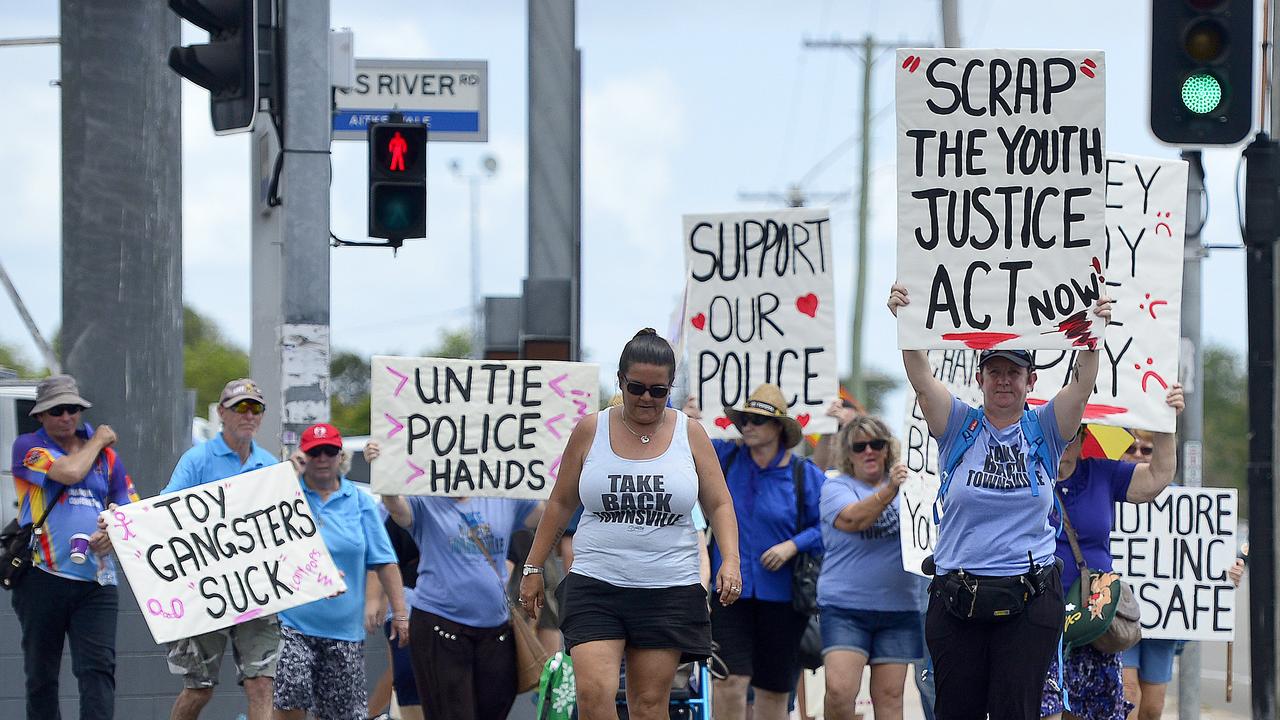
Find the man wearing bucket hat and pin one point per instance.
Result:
(68, 469)
(198, 659)
(759, 635)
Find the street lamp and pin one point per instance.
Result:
(488, 168)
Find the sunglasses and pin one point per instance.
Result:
(247, 406)
(325, 450)
(754, 419)
(655, 391)
(1144, 450)
(861, 446)
(61, 410)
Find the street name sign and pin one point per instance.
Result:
(450, 97)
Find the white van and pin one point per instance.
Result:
(17, 397)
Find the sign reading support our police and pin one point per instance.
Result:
(450, 97)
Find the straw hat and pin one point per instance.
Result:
(767, 400)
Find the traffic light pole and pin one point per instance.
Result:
(290, 351)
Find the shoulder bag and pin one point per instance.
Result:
(1100, 607)
(806, 566)
(17, 545)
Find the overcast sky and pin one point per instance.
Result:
(684, 105)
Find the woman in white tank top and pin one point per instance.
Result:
(634, 590)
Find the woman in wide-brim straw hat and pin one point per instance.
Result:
(759, 636)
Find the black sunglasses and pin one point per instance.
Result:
(61, 410)
(326, 450)
(655, 391)
(1144, 450)
(754, 419)
(861, 445)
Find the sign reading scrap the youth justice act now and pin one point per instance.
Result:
(1000, 197)
(222, 553)
(1175, 551)
(475, 427)
(1142, 262)
(760, 307)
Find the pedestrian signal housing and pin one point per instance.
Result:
(397, 180)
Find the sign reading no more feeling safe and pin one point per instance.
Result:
(475, 427)
(450, 97)
(1000, 197)
(222, 553)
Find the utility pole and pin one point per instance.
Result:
(866, 49)
(794, 196)
(122, 227)
(489, 167)
(290, 255)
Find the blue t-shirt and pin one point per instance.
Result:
(1089, 496)
(455, 580)
(990, 520)
(863, 570)
(764, 501)
(353, 534)
(214, 460)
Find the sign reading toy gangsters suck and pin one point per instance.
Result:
(222, 553)
(760, 307)
(1000, 197)
(1142, 264)
(1175, 551)
(475, 427)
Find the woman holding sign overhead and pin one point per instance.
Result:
(634, 590)
(995, 603)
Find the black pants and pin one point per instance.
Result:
(51, 609)
(996, 667)
(462, 673)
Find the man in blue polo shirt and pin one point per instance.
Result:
(198, 659)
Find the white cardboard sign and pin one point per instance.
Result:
(222, 553)
(1000, 197)
(760, 307)
(475, 427)
(1146, 218)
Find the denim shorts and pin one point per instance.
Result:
(1153, 658)
(883, 637)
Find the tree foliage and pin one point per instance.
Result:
(1226, 421)
(209, 359)
(12, 358)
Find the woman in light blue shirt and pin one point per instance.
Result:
(870, 605)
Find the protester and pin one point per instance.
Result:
(633, 590)
(256, 642)
(870, 605)
(994, 542)
(1088, 489)
(463, 651)
(68, 469)
(321, 665)
(759, 636)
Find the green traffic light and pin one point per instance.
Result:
(1201, 93)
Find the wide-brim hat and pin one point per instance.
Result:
(767, 400)
(57, 390)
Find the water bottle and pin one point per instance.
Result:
(106, 570)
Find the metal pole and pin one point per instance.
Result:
(122, 227)
(13, 42)
(1191, 423)
(951, 23)
(864, 212)
(46, 352)
(477, 329)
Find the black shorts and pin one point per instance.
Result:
(760, 639)
(646, 618)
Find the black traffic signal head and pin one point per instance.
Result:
(397, 180)
(227, 66)
(1201, 71)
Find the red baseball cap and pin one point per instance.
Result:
(320, 434)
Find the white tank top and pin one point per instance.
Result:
(637, 528)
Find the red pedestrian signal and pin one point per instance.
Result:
(397, 180)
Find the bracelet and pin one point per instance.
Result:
(399, 618)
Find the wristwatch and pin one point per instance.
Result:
(530, 570)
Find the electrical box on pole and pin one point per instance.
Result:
(397, 180)
(1202, 71)
(234, 64)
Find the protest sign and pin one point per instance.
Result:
(1175, 551)
(1000, 197)
(222, 553)
(475, 427)
(956, 370)
(760, 308)
(1142, 264)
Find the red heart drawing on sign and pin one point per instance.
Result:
(808, 304)
(723, 423)
(699, 321)
(803, 419)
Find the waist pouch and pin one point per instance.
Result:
(981, 598)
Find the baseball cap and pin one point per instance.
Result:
(320, 434)
(1021, 358)
(237, 390)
